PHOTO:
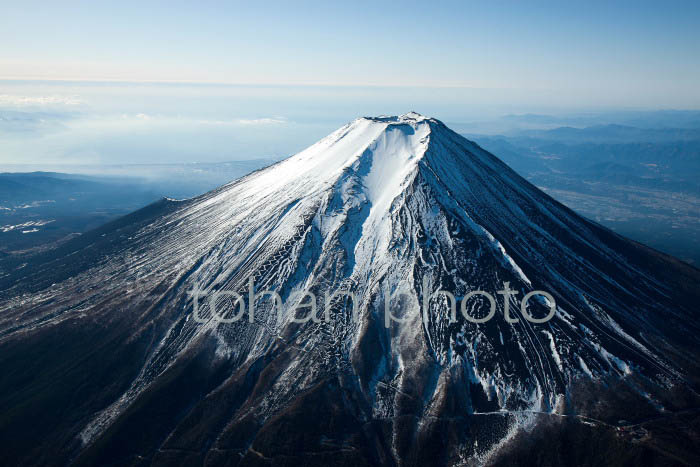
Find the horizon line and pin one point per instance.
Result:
(246, 84)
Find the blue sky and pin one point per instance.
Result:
(108, 82)
(616, 52)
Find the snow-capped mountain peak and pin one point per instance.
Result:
(387, 211)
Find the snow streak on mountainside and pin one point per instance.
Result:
(382, 205)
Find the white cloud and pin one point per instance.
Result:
(262, 121)
(24, 101)
(246, 121)
(161, 119)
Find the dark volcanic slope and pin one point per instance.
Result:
(104, 363)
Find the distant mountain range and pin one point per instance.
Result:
(641, 182)
(640, 119)
(38, 209)
(613, 133)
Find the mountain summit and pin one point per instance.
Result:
(116, 339)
